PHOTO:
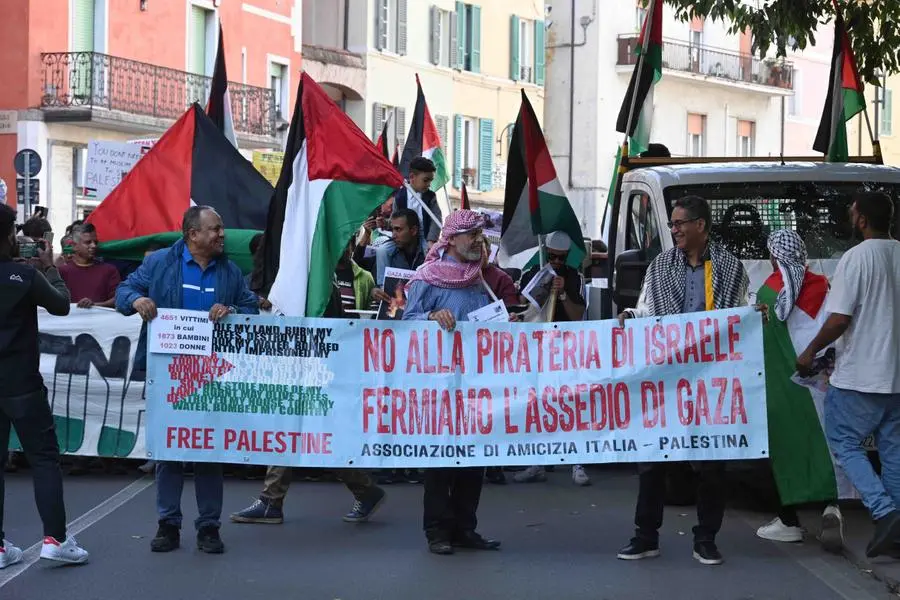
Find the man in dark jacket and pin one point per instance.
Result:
(25, 285)
(193, 274)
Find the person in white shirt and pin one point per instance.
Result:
(864, 393)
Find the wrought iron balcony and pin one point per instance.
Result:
(90, 80)
(713, 62)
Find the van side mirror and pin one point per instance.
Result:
(631, 266)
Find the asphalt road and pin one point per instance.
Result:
(559, 543)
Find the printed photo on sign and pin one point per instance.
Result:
(395, 281)
(538, 289)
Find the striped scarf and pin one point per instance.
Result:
(726, 281)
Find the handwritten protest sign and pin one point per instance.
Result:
(107, 165)
(326, 392)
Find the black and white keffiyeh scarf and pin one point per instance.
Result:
(667, 275)
(789, 251)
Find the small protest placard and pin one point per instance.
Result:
(181, 332)
(395, 281)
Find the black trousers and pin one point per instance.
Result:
(648, 516)
(30, 415)
(451, 501)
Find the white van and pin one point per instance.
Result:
(748, 201)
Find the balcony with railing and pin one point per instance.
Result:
(713, 63)
(88, 82)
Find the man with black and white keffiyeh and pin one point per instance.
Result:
(677, 282)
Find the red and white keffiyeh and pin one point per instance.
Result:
(448, 273)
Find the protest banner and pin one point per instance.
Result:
(96, 394)
(363, 393)
(107, 165)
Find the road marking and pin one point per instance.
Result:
(101, 511)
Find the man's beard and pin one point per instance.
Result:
(473, 253)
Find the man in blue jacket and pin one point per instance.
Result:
(193, 274)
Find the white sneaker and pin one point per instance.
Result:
(777, 531)
(9, 555)
(531, 475)
(832, 535)
(579, 477)
(65, 552)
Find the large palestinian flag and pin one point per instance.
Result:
(535, 202)
(845, 97)
(636, 112)
(219, 105)
(803, 465)
(424, 140)
(332, 178)
(192, 163)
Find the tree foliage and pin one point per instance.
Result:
(786, 25)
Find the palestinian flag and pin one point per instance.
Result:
(535, 202)
(423, 140)
(636, 113)
(192, 163)
(803, 465)
(382, 141)
(845, 97)
(464, 197)
(332, 178)
(395, 159)
(219, 105)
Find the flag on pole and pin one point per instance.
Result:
(395, 160)
(845, 97)
(332, 178)
(424, 140)
(464, 197)
(382, 141)
(535, 202)
(191, 164)
(636, 112)
(219, 105)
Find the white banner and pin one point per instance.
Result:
(107, 165)
(87, 361)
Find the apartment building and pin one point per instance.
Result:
(118, 70)
(472, 58)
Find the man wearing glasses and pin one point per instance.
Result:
(676, 283)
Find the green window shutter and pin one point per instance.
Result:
(401, 27)
(476, 39)
(514, 48)
(83, 26)
(460, 36)
(457, 151)
(486, 155)
(381, 24)
(198, 41)
(539, 52)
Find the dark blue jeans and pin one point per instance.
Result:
(208, 484)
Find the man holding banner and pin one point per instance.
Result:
(446, 289)
(193, 274)
(697, 275)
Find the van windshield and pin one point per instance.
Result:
(744, 214)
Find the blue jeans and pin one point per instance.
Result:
(208, 485)
(849, 418)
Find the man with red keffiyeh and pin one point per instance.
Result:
(445, 289)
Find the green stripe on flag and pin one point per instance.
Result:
(344, 207)
(441, 174)
(800, 457)
(237, 246)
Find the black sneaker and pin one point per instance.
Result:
(208, 541)
(887, 529)
(167, 538)
(707, 553)
(637, 549)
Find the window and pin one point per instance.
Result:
(885, 126)
(278, 85)
(697, 58)
(746, 135)
(473, 153)
(395, 117)
(83, 25)
(202, 41)
(526, 50)
(443, 37)
(643, 231)
(390, 26)
(640, 15)
(696, 138)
